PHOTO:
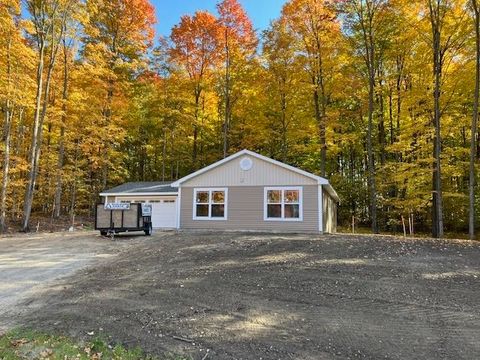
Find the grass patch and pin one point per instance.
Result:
(26, 344)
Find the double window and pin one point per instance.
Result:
(210, 204)
(283, 204)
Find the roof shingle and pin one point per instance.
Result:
(143, 187)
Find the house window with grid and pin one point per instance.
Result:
(283, 204)
(210, 204)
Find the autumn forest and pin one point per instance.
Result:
(379, 96)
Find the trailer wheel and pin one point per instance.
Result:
(103, 233)
(148, 230)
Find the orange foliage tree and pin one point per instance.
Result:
(196, 43)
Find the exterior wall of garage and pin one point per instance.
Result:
(329, 213)
(245, 211)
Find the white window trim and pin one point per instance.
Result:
(283, 188)
(210, 218)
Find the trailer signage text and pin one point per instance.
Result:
(117, 206)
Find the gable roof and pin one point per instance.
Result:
(142, 187)
(320, 180)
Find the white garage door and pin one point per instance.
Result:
(164, 214)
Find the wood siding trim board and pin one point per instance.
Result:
(246, 211)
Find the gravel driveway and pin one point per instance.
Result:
(32, 262)
(253, 296)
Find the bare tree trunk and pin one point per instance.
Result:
(474, 131)
(381, 128)
(400, 66)
(37, 125)
(319, 94)
(74, 188)
(320, 118)
(437, 208)
(164, 152)
(36, 148)
(228, 105)
(18, 152)
(6, 165)
(382, 136)
(366, 21)
(390, 116)
(44, 28)
(323, 112)
(371, 162)
(7, 130)
(283, 104)
(198, 93)
(61, 144)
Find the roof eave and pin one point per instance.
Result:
(332, 192)
(139, 194)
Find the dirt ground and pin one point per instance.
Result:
(31, 262)
(253, 296)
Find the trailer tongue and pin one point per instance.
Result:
(114, 218)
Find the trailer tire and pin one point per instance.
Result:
(148, 230)
(103, 233)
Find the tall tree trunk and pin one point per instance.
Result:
(61, 141)
(37, 127)
(36, 146)
(369, 45)
(381, 127)
(390, 116)
(198, 93)
(323, 109)
(164, 152)
(474, 131)
(74, 187)
(18, 152)
(371, 161)
(320, 119)
(319, 97)
(283, 104)
(228, 105)
(7, 130)
(6, 166)
(400, 66)
(41, 103)
(437, 208)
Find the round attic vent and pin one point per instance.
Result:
(246, 164)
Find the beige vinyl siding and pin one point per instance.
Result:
(245, 211)
(329, 213)
(262, 173)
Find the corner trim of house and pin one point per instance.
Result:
(179, 205)
(320, 209)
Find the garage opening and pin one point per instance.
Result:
(164, 211)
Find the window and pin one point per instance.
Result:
(210, 204)
(283, 204)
